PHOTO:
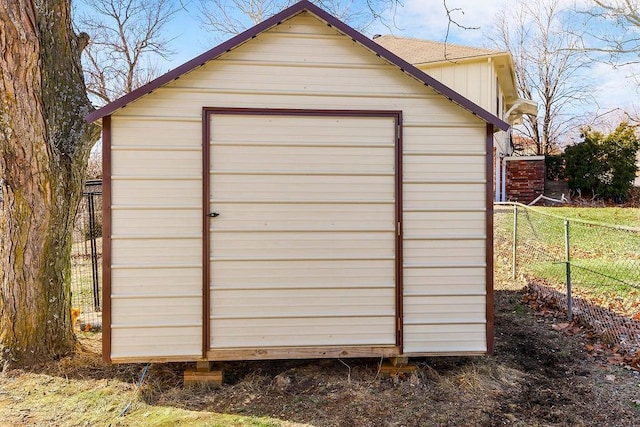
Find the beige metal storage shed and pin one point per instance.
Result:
(297, 191)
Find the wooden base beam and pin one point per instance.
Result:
(396, 367)
(399, 360)
(203, 366)
(203, 374)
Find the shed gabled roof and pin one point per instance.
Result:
(418, 51)
(297, 8)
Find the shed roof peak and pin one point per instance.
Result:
(277, 19)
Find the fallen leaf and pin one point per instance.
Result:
(560, 326)
(615, 360)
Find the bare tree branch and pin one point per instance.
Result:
(548, 67)
(229, 17)
(451, 20)
(127, 41)
(612, 30)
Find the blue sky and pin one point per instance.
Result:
(417, 18)
(425, 19)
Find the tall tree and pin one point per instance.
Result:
(128, 38)
(44, 145)
(549, 68)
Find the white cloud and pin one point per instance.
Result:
(617, 87)
(428, 19)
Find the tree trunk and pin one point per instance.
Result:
(44, 146)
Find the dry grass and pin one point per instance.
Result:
(538, 376)
(535, 369)
(482, 377)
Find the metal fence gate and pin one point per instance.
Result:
(86, 259)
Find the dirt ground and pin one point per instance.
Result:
(540, 375)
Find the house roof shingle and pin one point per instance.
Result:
(417, 51)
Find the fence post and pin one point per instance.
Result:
(515, 241)
(94, 251)
(568, 269)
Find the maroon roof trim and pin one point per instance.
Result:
(276, 19)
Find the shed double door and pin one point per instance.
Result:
(302, 248)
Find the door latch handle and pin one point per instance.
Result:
(214, 214)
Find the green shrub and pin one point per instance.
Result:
(554, 165)
(603, 164)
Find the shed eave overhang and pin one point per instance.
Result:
(462, 59)
(503, 64)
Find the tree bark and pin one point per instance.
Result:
(44, 146)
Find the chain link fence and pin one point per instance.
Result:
(589, 269)
(86, 259)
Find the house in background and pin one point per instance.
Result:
(484, 76)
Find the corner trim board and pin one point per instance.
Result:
(106, 238)
(489, 237)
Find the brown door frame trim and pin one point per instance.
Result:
(207, 112)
